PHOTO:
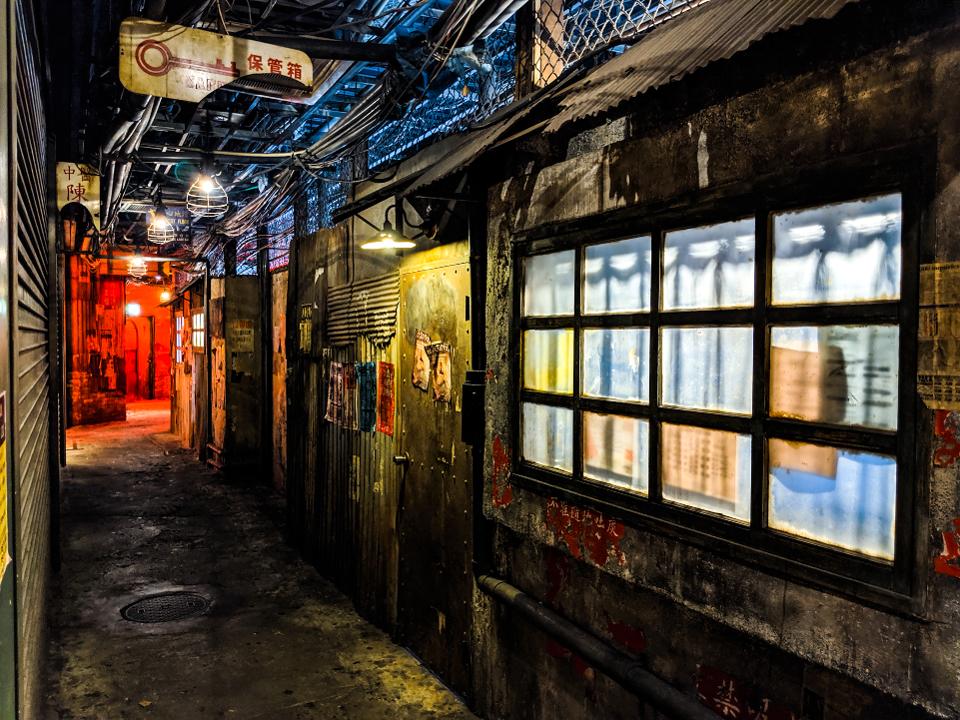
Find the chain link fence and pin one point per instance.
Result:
(567, 31)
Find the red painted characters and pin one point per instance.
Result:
(586, 533)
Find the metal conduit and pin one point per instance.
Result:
(599, 654)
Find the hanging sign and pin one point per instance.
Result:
(77, 183)
(182, 63)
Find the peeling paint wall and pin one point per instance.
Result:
(279, 379)
(705, 622)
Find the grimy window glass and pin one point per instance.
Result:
(638, 362)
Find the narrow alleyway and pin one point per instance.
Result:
(142, 516)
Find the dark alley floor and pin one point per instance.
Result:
(141, 516)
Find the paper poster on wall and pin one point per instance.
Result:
(385, 404)
(240, 335)
(439, 354)
(4, 528)
(938, 335)
(305, 334)
(334, 412)
(350, 400)
(367, 390)
(421, 362)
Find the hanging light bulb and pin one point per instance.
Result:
(165, 296)
(206, 198)
(137, 267)
(160, 230)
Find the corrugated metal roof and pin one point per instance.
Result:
(714, 31)
(367, 307)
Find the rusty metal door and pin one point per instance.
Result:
(435, 576)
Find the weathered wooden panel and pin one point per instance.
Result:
(279, 379)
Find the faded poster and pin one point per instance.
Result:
(421, 362)
(938, 369)
(385, 405)
(367, 390)
(350, 399)
(335, 394)
(439, 353)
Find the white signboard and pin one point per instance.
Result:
(186, 64)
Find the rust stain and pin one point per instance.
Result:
(586, 533)
(502, 490)
(627, 636)
(946, 453)
(561, 652)
(948, 561)
(490, 376)
(558, 574)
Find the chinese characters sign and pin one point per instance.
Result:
(78, 183)
(187, 64)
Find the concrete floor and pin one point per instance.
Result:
(141, 516)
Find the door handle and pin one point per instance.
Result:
(402, 460)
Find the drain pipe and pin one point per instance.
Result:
(630, 673)
(602, 656)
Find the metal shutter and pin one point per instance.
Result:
(31, 363)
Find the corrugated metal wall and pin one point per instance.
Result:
(357, 495)
(31, 387)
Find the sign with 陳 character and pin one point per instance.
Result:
(78, 183)
(183, 63)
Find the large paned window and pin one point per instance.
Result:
(740, 377)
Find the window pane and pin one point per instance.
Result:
(833, 495)
(707, 469)
(548, 436)
(838, 253)
(708, 368)
(615, 363)
(615, 450)
(618, 276)
(548, 284)
(835, 374)
(548, 360)
(709, 267)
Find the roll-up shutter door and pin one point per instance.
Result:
(31, 363)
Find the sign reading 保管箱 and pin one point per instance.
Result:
(183, 63)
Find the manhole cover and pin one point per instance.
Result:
(166, 607)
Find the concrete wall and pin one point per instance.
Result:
(854, 86)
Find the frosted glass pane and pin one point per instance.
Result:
(548, 360)
(706, 469)
(548, 436)
(617, 276)
(836, 374)
(615, 450)
(834, 495)
(615, 363)
(709, 267)
(707, 368)
(548, 284)
(838, 253)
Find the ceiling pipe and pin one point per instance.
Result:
(321, 49)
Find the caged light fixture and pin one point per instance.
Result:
(161, 230)
(137, 267)
(206, 198)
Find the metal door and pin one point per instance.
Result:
(435, 590)
(33, 315)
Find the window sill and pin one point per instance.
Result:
(871, 583)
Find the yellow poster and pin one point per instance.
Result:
(4, 550)
(188, 64)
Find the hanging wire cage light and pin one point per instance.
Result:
(207, 198)
(137, 267)
(160, 230)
